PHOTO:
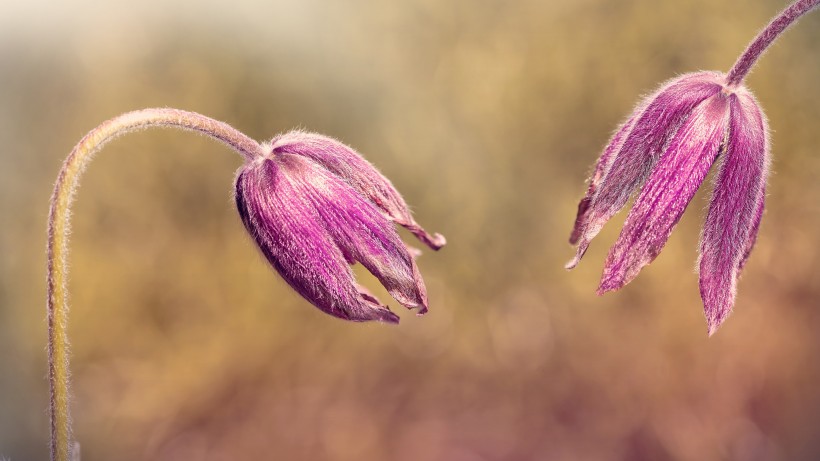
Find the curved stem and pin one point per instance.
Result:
(766, 37)
(58, 229)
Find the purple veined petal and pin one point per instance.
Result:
(667, 193)
(347, 164)
(601, 166)
(736, 209)
(643, 146)
(280, 215)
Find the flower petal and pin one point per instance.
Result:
(736, 208)
(673, 182)
(752, 239)
(604, 162)
(656, 120)
(284, 204)
(347, 164)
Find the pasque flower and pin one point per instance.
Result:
(314, 206)
(667, 145)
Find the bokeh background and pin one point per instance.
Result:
(487, 115)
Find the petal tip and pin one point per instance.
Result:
(435, 241)
(387, 316)
(421, 307)
(375, 309)
(713, 323)
(572, 263)
(438, 241)
(582, 249)
(371, 313)
(609, 284)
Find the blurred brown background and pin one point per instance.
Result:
(487, 116)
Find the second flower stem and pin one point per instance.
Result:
(766, 37)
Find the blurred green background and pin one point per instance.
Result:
(487, 115)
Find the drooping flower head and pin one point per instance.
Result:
(668, 145)
(314, 207)
(665, 148)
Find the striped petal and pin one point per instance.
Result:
(736, 208)
(360, 174)
(670, 188)
(621, 170)
(603, 164)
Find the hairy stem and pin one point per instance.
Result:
(58, 229)
(766, 37)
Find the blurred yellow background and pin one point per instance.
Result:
(487, 116)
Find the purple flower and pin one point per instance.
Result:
(314, 207)
(668, 145)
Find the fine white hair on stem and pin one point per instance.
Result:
(62, 448)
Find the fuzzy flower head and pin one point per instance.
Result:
(665, 149)
(314, 207)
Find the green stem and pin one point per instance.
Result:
(58, 229)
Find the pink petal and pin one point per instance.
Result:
(736, 208)
(670, 188)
